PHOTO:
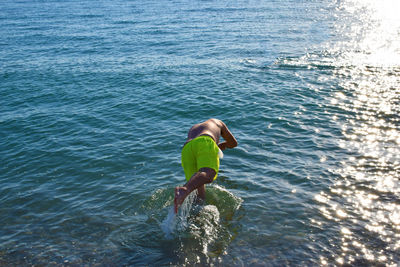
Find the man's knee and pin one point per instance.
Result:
(209, 174)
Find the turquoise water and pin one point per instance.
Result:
(96, 98)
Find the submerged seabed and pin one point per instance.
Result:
(96, 99)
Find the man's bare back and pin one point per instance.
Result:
(215, 129)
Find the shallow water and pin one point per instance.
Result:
(96, 99)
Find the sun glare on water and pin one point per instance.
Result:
(373, 40)
(365, 200)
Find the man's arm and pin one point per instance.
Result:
(230, 140)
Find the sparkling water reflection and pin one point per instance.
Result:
(364, 200)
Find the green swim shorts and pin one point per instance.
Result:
(201, 152)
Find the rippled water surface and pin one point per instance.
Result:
(96, 98)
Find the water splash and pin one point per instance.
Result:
(168, 224)
(178, 222)
(206, 227)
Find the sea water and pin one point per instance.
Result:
(96, 98)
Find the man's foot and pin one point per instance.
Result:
(180, 195)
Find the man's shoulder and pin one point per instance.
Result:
(216, 121)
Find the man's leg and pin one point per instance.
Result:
(199, 179)
(201, 192)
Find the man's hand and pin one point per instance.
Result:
(230, 140)
(222, 145)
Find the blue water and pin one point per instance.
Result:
(96, 98)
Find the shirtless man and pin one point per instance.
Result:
(200, 160)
